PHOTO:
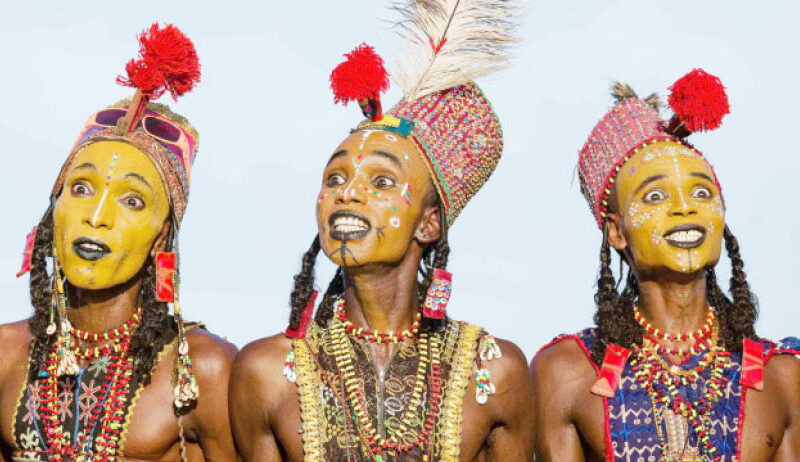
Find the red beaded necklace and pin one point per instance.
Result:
(365, 333)
(699, 334)
(110, 419)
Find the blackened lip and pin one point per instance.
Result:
(686, 245)
(84, 248)
(350, 236)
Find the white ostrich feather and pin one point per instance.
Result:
(477, 35)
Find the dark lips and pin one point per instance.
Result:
(81, 247)
(339, 236)
(686, 245)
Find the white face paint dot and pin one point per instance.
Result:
(395, 222)
(391, 137)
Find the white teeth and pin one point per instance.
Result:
(691, 235)
(92, 247)
(349, 224)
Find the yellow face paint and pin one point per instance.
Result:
(110, 211)
(371, 198)
(670, 209)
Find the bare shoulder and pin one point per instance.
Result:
(262, 361)
(782, 371)
(562, 365)
(211, 354)
(15, 338)
(511, 367)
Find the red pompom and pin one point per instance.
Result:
(699, 101)
(167, 61)
(361, 76)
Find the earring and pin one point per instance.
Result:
(438, 294)
(165, 277)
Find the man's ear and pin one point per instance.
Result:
(161, 240)
(615, 236)
(429, 228)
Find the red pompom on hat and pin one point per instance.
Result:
(699, 102)
(362, 78)
(167, 61)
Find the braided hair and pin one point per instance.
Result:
(614, 316)
(148, 339)
(434, 256)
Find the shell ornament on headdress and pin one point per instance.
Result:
(698, 103)
(167, 62)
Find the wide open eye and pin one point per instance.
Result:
(132, 202)
(335, 179)
(702, 192)
(384, 182)
(81, 189)
(655, 196)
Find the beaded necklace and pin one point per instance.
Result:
(116, 387)
(429, 349)
(663, 384)
(90, 353)
(372, 336)
(699, 334)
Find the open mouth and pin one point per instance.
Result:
(346, 225)
(90, 249)
(686, 236)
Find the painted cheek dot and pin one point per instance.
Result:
(395, 222)
(391, 137)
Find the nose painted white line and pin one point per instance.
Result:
(99, 207)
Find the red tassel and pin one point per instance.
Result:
(30, 239)
(165, 276)
(300, 332)
(362, 77)
(167, 61)
(699, 101)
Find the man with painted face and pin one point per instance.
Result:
(381, 373)
(100, 371)
(673, 369)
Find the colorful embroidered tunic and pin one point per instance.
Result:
(632, 423)
(329, 431)
(81, 397)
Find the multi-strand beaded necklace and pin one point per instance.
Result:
(663, 381)
(115, 388)
(373, 336)
(429, 365)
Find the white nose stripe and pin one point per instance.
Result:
(99, 207)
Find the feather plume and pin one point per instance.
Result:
(452, 42)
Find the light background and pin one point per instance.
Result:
(525, 250)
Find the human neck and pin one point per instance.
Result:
(674, 305)
(383, 297)
(104, 309)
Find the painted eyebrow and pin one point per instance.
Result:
(336, 155)
(86, 165)
(388, 155)
(648, 181)
(140, 178)
(702, 175)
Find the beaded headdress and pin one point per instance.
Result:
(450, 43)
(699, 103)
(167, 62)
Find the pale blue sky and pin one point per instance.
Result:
(524, 251)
